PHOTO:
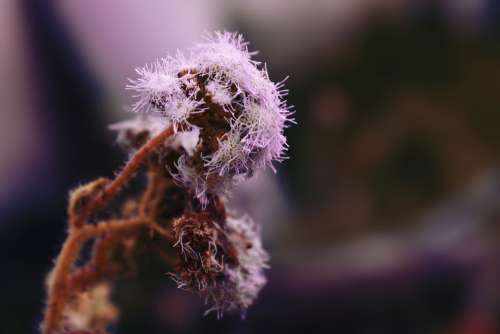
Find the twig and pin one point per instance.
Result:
(112, 189)
(58, 286)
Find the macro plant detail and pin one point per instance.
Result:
(206, 120)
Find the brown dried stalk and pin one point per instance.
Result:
(112, 189)
(64, 282)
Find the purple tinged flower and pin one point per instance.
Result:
(220, 90)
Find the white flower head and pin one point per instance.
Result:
(220, 89)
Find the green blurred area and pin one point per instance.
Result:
(393, 122)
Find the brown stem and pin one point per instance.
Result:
(112, 189)
(168, 258)
(58, 288)
(162, 232)
(99, 266)
(151, 190)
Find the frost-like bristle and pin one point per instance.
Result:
(217, 75)
(190, 178)
(256, 138)
(160, 89)
(220, 94)
(228, 158)
(248, 277)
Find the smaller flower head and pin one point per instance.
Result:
(222, 262)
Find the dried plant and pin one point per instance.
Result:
(206, 120)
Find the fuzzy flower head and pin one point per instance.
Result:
(222, 262)
(219, 89)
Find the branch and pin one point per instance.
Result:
(114, 187)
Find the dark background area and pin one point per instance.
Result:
(385, 217)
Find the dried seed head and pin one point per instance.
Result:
(90, 311)
(199, 242)
(222, 262)
(240, 113)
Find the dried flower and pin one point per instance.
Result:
(90, 311)
(222, 262)
(209, 119)
(240, 113)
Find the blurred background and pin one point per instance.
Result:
(386, 217)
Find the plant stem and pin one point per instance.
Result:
(79, 233)
(112, 189)
(58, 286)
